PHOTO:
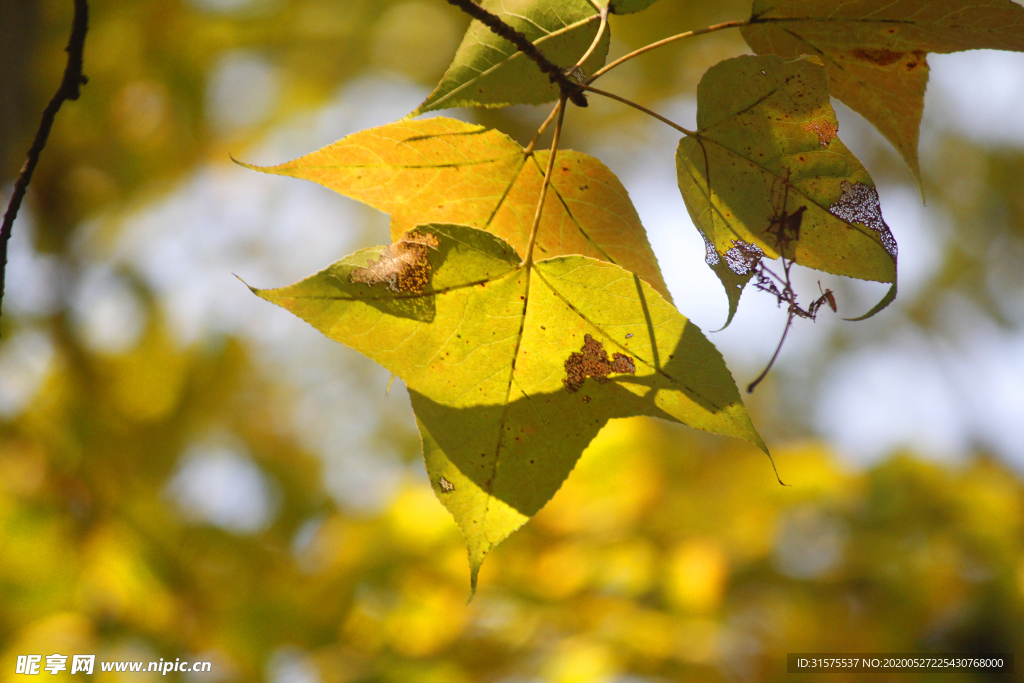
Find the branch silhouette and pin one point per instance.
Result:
(69, 90)
(570, 90)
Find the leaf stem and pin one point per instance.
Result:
(666, 41)
(546, 183)
(69, 90)
(764, 373)
(543, 127)
(597, 38)
(570, 90)
(642, 108)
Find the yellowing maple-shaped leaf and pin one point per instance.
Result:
(488, 70)
(767, 157)
(514, 367)
(448, 171)
(875, 50)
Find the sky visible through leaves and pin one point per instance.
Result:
(172, 453)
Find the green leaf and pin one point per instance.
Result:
(513, 368)
(875, 50)
(446, 171)
(629, 6)
(490, 71)
(767, 144)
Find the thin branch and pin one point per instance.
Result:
(593, 45)
(642, 108)
(69, 90)
(785, 226)
(666, 41)
(753, 385)
(570, 90)
(544, 186)
(597, 38)
(543, 127)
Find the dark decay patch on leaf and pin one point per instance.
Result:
(402, 266)
(917, 60)
(858, 203)
(880, 56)
(592, 361)
(826, 131)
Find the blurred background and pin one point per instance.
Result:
(189, 472)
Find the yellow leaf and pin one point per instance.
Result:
(447, 171)
(514, 367)
(875, 50)
(766, 162)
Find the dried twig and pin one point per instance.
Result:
(68, 90)
(785, 227)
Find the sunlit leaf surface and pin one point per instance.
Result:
(488, 70)
(767, 149)
(875, 50)
(667, 555)
(443, 170)
(513, 369)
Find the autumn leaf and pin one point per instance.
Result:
(767, 148)
(875, 50)
(488, 70)
(447, 171)
(513, 368)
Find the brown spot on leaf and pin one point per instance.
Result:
(445, 485)
(880, 56)
(592, 361)
(402, 266)
(826, 131)
(918, 60)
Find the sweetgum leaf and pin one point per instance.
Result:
(489, 71)
(446, 171)
(766, 144)
(875, 50)
(512, 368)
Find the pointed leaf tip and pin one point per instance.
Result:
(876, 50)
(251, 167)
(889, 297)
(442, 170)
(739, 183)
(513, 369)
(252, 289)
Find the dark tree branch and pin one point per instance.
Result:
(570, 90)
(68, 90)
